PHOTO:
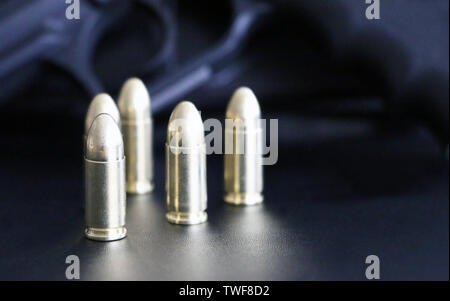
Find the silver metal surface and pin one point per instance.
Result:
(134, 107)
(243, 172)
(102, 103)
(105, 199)
(186, 166)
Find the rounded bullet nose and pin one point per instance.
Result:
(243, 105)
(185, 126)
(186, 110)
(134, 100)
(104, 141)
(102, 103)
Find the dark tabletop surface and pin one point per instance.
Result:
(348, 190)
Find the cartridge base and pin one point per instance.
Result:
(180, 218)
(140, 187)
(243, 199)
(105, 234)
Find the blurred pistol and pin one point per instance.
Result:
(38, 31)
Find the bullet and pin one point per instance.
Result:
(243, 175)
(137, 130)
(186, 166)
(105, 198)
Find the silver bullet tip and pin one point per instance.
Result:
(134, 100)
(102, 103)
(186, 121)
(243, 105)
(104, 141)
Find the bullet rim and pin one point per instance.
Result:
(107, 234)
(140, 187)
(243, 199)
(185, 218)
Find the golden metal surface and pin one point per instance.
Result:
(243, 172)
(186, 166)
(137, 131)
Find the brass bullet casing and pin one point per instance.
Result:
(105, 198)
(243, 176)
(102, 103)
(186, 166)
(137, 131)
